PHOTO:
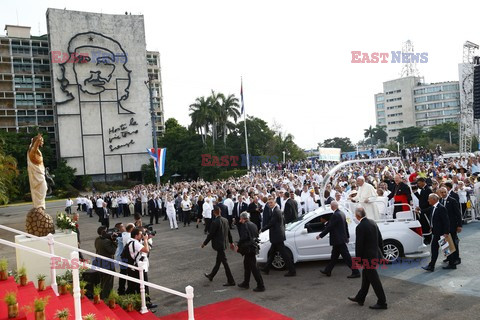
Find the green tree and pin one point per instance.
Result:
(411, 135)
(343, 143)
(370, 133)
(8, 173)
(64, 175)
(228, 109)
(200, 115)
(443, 132)
(380, 134)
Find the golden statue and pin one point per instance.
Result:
(38, 222)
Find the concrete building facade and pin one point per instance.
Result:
(25, 82)
(154, 73)
(408, 102)
(102, 107)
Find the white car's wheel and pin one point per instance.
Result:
(392, 250)
(278, 263)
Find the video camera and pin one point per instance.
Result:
(111, 234)
(149, 230)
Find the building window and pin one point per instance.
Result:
(394, 107)
(448, 104)
(422, 123)
(394, 99)
(433, 89)
(421, 115)
(421, 107)
(380, 114)
(393, 91)
(396, 122)
(419, 91)
(451, 87)
(453, 95)
(380, 98)
(380, 106)
(395, 114)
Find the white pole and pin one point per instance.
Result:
(144, 309)
(53, 271)
(245, 123)
(76, 287)
(189, 292)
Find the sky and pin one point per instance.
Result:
(294, 56)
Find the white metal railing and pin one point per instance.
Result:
(74, 256)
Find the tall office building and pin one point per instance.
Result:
(408, 102)
(25, 82)
(154, 73)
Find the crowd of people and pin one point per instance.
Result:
(269, 197)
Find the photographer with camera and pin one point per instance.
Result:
(248, 248)
(105, 245)
(138, 250)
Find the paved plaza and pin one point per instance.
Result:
(177, 261)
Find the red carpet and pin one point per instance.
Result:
(27, 294)
(233, 309)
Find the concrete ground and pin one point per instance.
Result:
(177, 261)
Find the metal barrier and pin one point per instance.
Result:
(74, 256)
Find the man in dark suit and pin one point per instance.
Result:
(290, 211)
(248, 237)
(337, 227)
(238, 208)
(266, 214)
(255, 210)
(451, 192)
(455, 222)
(105, 216)
(276, 227)
(368, 248)
(152, 208)
(223, 208)
(424, 208)
(440, 225)
(220, 236)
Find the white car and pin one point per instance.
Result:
(401, 238)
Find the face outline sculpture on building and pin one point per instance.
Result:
(98, 64)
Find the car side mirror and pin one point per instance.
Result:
(304, 231)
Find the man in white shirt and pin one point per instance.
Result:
(229, 203)
(139, 248)
(207, 214)
(68, 206)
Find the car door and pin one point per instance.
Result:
(308, 247)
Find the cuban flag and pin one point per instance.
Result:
(158, 159)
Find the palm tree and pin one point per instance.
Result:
(214, 113)
(200, 116)
(369, 133)
(228, 109)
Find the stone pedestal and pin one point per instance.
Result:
(36, 264)
(39, 223)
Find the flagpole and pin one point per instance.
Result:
(154, 131)
(245, 123)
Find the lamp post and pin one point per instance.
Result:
(283, 156)
(398, 147)
(154, 129)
